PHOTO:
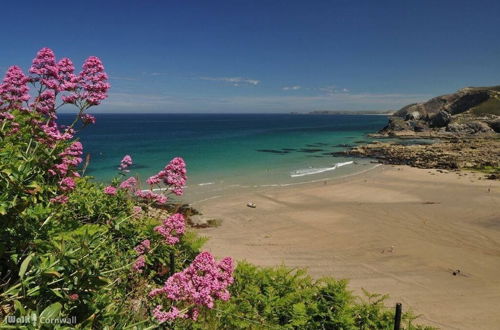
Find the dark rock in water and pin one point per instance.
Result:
(273, 151)
(310, 150)
(344, 153)
(441, 119)
(288, 149)
(343, 145)
(317, 144)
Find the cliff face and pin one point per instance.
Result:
(471, 110)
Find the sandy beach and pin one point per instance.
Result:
(394, 229)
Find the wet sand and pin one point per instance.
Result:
(395, 230)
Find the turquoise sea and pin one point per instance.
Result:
(229, 150)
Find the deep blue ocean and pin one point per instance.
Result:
(224, 150)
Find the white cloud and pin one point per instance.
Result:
(291, 88)
(235, 81)
(331, 90)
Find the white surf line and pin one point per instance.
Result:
(330, 178)
(312, 171)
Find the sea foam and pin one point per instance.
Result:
(311, 171)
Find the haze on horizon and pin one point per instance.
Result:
(265, 56)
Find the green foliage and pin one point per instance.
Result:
(490, 106)
(284, 298)
(89, 204)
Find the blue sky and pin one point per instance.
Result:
(264, 56)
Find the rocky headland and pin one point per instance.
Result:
(470, 111)
(465, 125)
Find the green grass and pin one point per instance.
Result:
(490, 106)
(486, 169)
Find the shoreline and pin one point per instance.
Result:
(196, 193)
(392, 229)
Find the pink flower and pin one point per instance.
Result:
(201, 284)
(74, 297)
(61, 199)
(125, 163)
(67, 184)
(14, 89)
(148, 195)
(139, 264)
(143, 247)
(45, 103)
(153, 180)
(129, 184)
(110, 190)
(87, 119)
(70, 157)
(172, 227)
(44, 64)
(162, 316)
(94, 81)
(52, 133)
(137, 210)
(68, 81)
(173, 175)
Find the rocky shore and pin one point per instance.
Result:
(466, 125)
(482, 154)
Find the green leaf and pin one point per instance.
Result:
(19, 307)
(57, 293)
(51, 312)
(53, 273)
(24, 265)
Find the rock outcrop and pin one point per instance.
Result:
(478, 153)
(471, 110)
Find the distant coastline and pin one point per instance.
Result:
(348, 112)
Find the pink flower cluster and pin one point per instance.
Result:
(110, 190)
(173, 175)
(172, 227)
(151, 196)
(61, 199)
(129, 184)
(139, 264)
(143, 247)
(70, 157)
(53, 133)
(87, 119)
(67, 184)
(13, 90)
(52, 78)
(201, 284)
(125, 163)
(94, 81)
(89, 88)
